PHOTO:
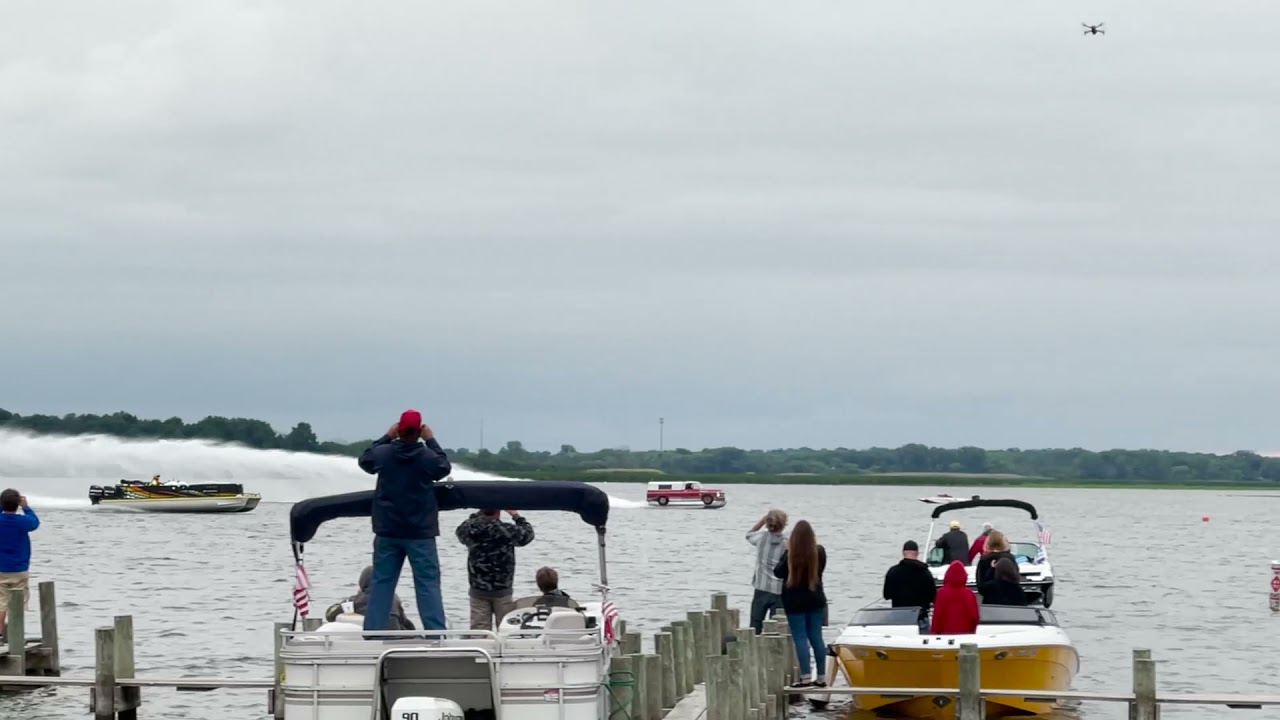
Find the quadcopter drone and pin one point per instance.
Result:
(1094, 29)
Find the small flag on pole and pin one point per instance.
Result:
(301, 585)
(610, 613)
(1045, 535)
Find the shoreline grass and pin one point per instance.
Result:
(923, 480)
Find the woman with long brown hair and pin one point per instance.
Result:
(804, 600)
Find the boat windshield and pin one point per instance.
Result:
(886, 616)
(1024, 553)
(1015, 615)
(988, 615)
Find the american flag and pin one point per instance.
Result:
(1045, 535)
(610, 613)
(301, 584)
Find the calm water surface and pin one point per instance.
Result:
(1135, 569)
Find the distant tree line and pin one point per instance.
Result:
(1073, 464)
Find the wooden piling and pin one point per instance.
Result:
(631, 642)
(717, 687)
(969, 704)
(735, 619)
(50, 650)
(104, 673)
(622, 688)
(1144, 687)
(127, 698)
(698, 651)
(750, 674)
(720, 601)
(684, 667)
(770, 627)
(654, 688)
(277, 645)
(737, 703)
(664, 646)
(719, 631)
(16, 636)
(640, 695)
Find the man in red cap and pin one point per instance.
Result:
(408, 461)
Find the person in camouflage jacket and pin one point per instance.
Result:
(491, 563)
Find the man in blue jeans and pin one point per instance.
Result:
(405, 519)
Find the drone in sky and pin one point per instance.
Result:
(1094, 29)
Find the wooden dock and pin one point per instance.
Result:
(23, 655)
(702, 667)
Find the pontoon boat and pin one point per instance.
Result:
(541, 664)
(1018, 648)
(174, 497)
(1032, 557)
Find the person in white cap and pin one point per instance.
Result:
(979, 543)
(954, 544)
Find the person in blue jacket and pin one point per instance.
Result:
(408, 461)
(17, 520)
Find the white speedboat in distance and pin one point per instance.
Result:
(1019, 647)
(174, 497)
(1032, 557)
(541, 663)
(943, 498)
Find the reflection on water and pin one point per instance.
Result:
(1135, 569)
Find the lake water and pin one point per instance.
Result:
(1135, 569)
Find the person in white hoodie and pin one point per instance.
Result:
(766, 535)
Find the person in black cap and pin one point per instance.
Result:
(909, 583)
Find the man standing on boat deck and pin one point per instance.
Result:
(408, 461)
(491, 563)
(911, 584)
(17, 521)
(954, 544)
(770, 544)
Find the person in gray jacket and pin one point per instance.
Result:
(954, 544)
(770, 544)
(357, 604)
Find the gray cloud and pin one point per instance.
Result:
(816, 225)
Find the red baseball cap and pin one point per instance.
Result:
(410, 420)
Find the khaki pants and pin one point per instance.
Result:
(14, 581)
(486, 613)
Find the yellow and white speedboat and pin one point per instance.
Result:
(1019, 648)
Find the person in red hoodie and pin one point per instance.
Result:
(980, 543)
(955, 610)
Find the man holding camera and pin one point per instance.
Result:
(408, 461)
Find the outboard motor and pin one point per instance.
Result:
(95, 494)
(426, 708)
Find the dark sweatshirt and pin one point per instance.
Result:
(910, 584)
(986, 570)
(802, 599)
(404, 501)
(1002, 592)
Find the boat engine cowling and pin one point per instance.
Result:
(426, 708)
(95, 494)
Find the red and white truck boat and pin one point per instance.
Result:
(684, 494)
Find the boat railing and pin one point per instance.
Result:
(570, 641)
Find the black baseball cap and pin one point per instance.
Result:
(910, 545)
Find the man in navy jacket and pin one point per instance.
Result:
(405, 519)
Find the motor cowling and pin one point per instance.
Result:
(426, 708)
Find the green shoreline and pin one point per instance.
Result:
(940, 480)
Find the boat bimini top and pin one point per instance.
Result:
(589, 502)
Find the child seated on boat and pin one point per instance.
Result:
(358, 603)
(548, 581)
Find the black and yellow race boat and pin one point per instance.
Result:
(174, 497)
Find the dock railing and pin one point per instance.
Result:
(704, 667)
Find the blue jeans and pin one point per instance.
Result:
(806, 631)
(388, 558)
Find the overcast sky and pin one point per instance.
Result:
(775, 224)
